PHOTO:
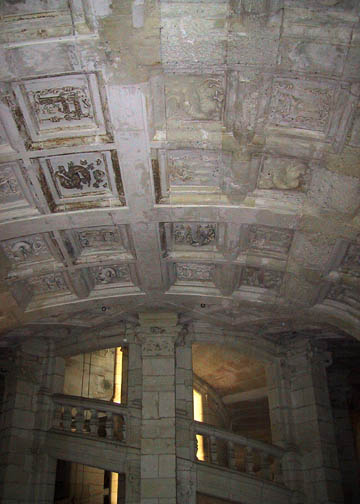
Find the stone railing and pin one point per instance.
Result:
(90, 417)
(239, 453)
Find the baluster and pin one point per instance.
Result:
(67, 418)
(213, 450)
(109, 427)
(265, 469)
(79, 419)
(196, 447)
(231, 455)
(93, 422)
(249, 460)
(123, 428)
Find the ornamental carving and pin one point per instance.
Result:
(195, 235)
(194, 168)
(301, 104)
(351, 263)
(83, 174)
(103, 238)
(158, 345)
(111, 274)
(266, 238)
(266, 279)
(195, 272)
(9, 187)
(51, 283)
(66, 103)
(195, 99)
(31, 248)
(283, 174)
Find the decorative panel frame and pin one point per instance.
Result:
(14, 196)
(74, 179)
(61, 107)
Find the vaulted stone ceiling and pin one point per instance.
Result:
(200, 157)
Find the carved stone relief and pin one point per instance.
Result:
(157, 345)
(195, 98)
(61, 106)
(113, 274)
(52, 283)
(195, 235)
(283, 174)
(269, 239)
(80, 177)
(103, 238)
(301, 104)
(66, 103)
(198, 167)
(266, 279)
(9, 186)
(28, 249)
(195, 272)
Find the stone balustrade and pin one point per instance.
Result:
(90, 417)
(239, 453)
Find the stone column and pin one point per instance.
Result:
(44, 466)
(158, 334)
(134, 400)
(313, 422)
(278, 379)
(185, 436)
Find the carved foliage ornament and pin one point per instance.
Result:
(196, 235)
(266, 279)
(195, 272)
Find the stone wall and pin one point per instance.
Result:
(91, 374)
